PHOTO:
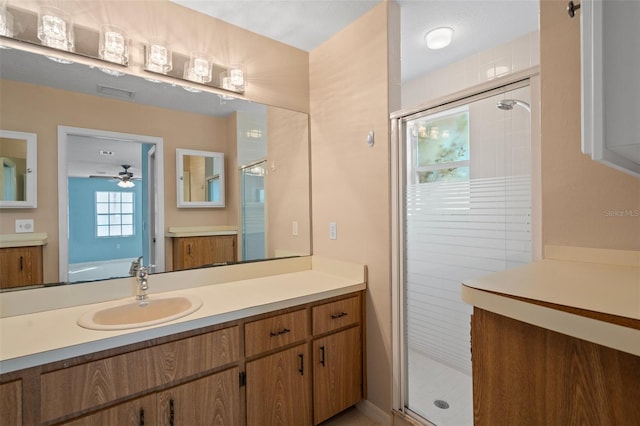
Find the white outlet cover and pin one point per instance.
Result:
(24, 225)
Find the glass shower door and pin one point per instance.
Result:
(467, 208)
(253, 213)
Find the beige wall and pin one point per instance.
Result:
(581, 199)
(349, 79)
(287, 183)
(40, 110)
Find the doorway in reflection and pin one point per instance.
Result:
(252, 211)
(110, 210)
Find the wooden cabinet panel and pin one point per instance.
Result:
(275, 332)
(337, 373)
(99, 382)
(11, 403)
(523, 374)
(279, 389)
(213, 400)
(20, 266)
(141, 411)
(335, 315)
(191, 252)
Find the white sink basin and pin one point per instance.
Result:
(131, 314)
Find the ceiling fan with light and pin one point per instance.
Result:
(126, 177)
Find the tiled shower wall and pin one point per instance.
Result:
(513, 56)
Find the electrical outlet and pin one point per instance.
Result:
(24, 225)
(333, 231)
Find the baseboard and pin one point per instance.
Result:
(374, 412)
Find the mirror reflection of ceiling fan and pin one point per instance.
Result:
(125, 177)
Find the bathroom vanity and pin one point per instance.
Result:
(21, 259)
(278, 346)
(557, 342)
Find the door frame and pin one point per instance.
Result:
(63, 191)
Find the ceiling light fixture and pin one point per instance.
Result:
(439, 37)
(157, 58)
(6, 22)
(198, 69)
(55, 28)
(125, 177)
(113, 45)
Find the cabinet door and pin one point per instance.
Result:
(139, 412)
(337, 373)
(212, 400)
(20, 266)
(278, 389)
(11, 403)
(192, 252)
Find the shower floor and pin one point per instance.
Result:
(430, 381)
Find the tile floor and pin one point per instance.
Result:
(350, 417)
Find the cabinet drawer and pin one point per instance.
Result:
(99, 382)
(274, 332)
(334, 315)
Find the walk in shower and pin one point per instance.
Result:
(465, 211)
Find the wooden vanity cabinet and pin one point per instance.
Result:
(337, 357)
(296, 366)
(11, 403)
(20, 266)
(528, 375)
(192, 252)
(279, 388)
(140, 411)
(278, 384)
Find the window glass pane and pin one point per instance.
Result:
(114, 219)
(102, 197)
(114, 208)
(114, 197)
(102, 208)
(103, 231)
(102, 220)
(126, 208)
(443, 139)
(127, 197)
(453, 174)
(114, 230)
(127, 230)
(127, 219)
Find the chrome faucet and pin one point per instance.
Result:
(142, 273)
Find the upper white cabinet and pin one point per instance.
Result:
(18, 181)
(611, 82)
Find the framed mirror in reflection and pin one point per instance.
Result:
(18, 178)
(200, 178)
(41, 96)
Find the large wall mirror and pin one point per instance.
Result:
(200, 180)
(260, 143)
(18, 157)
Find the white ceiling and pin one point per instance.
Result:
(306, 24)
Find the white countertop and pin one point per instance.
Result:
(201, 231)
(25, 239)
(47, 336)
(606, 288)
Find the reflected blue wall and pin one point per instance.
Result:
(84, 246)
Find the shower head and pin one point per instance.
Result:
(508, 104)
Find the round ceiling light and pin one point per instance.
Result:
(439, 37)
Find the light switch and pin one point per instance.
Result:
(333, 231)
(294, 227)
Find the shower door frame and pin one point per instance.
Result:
(528, 77)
